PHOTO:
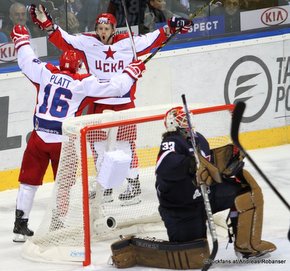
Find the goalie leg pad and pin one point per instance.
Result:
(123, 253)
(250, 219)
(133, 251)
(164, 254)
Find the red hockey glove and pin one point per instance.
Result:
(181, 24)
(135, 69)
(40, 16)
(20, 36)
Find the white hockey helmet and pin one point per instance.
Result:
(175, 120)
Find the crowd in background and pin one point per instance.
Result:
(80, 15)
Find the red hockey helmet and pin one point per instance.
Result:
(70, 61)
(175, 120)
(106, 18)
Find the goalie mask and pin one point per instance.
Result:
(70, 61)
(175, 120)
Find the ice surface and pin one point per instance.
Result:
(275, 162)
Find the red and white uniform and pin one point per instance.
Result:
(60, 95)
(106, 61)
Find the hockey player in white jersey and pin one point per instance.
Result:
(105, 55)
(61, 93)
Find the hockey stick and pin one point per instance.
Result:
(196, 13)
(236, 121)
(129, 30)
(204, 193)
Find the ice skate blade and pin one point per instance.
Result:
(19, 238)
(259, 255)
(129, 202)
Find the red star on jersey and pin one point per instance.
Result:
(109, 53)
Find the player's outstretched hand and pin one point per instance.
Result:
(135, 69)
(179, 24)
(40, 16)
(20, 36)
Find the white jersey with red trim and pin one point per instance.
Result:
(62, 94)
(106, 61)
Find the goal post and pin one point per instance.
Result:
(78, 214)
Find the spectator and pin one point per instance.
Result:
(135, 10)
(231, 13)
(87, 15)
(18, 15)
(156, 12)
(179, 7)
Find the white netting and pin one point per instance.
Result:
(130, 208)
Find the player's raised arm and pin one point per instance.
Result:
(60, 38)
(28, 62)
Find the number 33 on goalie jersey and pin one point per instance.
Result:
(61, 94)
(173, 180)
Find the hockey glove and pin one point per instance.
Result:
(40, 16)
(228, 159)
(135, 69)
(20, 36)
(179, 24)
(207, 173)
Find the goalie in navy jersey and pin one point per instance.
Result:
(230, 186)
(181, 204)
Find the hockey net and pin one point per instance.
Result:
(81, 212)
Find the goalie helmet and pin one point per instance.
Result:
(175, 120)
(106, 18)
(70, 61)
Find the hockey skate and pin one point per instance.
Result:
(130, 195)
(108, 196)
(21, 229)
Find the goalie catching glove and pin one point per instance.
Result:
(179, 24)
(228, 159)
(40, 16)
(135, 69)
(20, 36)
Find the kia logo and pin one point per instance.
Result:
(249, 80)
(7, 52)
(274, 16)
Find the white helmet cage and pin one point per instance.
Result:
(175, 120)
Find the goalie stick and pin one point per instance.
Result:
(195, 14)
(204, 193)
(236, 121)
(129, 30)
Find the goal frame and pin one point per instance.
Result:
(84, 155)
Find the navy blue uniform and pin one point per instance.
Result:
(181, 203)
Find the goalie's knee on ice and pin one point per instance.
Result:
(160, 254)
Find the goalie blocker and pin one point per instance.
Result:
(132, 251)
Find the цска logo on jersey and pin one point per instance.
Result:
(274, 16)
(249, 80)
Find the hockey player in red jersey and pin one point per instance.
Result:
(61, 93)
(106, 54)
